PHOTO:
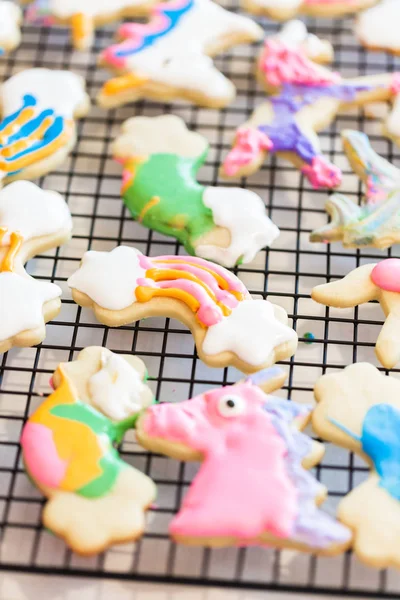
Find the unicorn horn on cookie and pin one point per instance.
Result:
(161, 158)
(229, 327)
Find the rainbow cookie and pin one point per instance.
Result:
(10, 21)
(31, 221)
(376, 281)
(229, 327)
(306, 98)
(94, 498)
(252, 486)
(377, 28)
(161, 159)
(169, 57)
(84, 17)
(37, 130)
(287, 9)
(377, 221)
(359, 409)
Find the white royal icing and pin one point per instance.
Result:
(178, 59)
(63, 9)
(284, 4)
(10, 18)
(117, 389)
(379, 26)
(294, 33)
(34, 212)
(251, 332)
(109, 278)
(243, 213)
(21, 303)
(62, 91)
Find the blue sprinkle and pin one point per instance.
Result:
(310, 337)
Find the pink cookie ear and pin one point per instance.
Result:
(268, 379)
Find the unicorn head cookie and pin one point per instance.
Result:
(306, 98)
(94, 498)
(253, 486)
(229, 327)
(161, 158)
(169, 57)
(31, 221)
(37, 130)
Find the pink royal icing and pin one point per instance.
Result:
(283, 64)
(41, 457)
(386, 275)
(322, 173)
(249, 143)
(243, 462)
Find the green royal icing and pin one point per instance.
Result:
(181, 212)
(111, 464)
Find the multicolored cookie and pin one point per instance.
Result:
(84, 17)
(252, 486)
(287, 9)
(10, 21)
(376, 222)
(376, 281)
(306, 98)
(229, 327)
(37, 130)
(94, 498)
(359, 409)
(376, 28)
(31, 221)
(169, 57)
(161, 158)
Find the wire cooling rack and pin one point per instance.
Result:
(90, 181)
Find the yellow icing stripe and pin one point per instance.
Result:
(144, 294)
(16, 240)
(150, 204)
(121, 84)
(23, 118)
(82, 28)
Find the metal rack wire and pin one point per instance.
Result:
(90, 181)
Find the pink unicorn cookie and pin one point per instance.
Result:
(252, 486)
(305, 98)
(287, 9)
(229, 327)
(169, 57)
(375, 281)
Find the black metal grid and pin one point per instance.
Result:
(90, 181)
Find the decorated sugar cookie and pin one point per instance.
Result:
(376, 28)
(94, 498)
(37, 130)
(31, 221)
(252, 486)
(306, 98)
(229, 327)
(161, 158)
(169, 57)
(287, 9)
(10, 21)
(84, 17)
(376, 281)
(359, 409)
(377, 221)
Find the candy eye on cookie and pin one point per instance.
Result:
(231, 406)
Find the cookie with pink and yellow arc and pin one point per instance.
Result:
(287, 9)
(252, 486)
(228, 325)
(376, 281)
(305, 98)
